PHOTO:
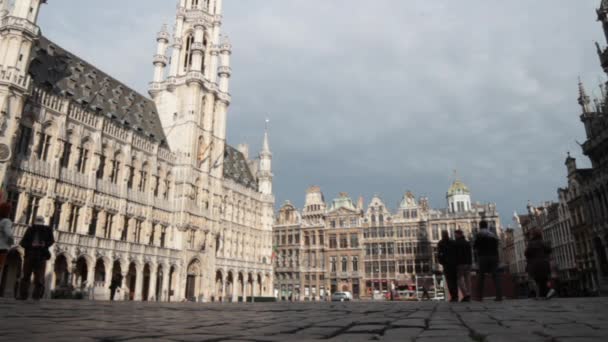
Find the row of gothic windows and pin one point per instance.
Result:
(130, 233)
(80, 157)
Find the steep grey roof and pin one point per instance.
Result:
(62, 73)
(237, 169)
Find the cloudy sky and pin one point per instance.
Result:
(382, 96)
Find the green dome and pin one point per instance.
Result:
(458, 188)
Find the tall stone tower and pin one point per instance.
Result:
(18, 31)
(265, 170)
(192, 96)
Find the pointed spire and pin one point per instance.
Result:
(583, 99)
(266, 144)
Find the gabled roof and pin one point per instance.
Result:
(63, 73)
(237, 169)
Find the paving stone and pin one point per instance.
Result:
(401, 334)
(410, 322)
(572, 320)
(366, 329)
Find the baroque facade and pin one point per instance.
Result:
(143, 187)
(346, 247)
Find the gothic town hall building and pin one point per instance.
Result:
(144, 187)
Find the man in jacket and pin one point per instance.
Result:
(464, 258)
(446, 255)
(36, 242)
(486, 247)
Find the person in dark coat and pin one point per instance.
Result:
(539, 267)
(464, 259)
(115, 284)
(446, 255)
(486, 247)
(36, 241)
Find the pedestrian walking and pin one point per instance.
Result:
(115, 284)
(446, 255)
(425, 293)
(486, 247)
(6, 234)
(464, 259)
(36, 241)
(538, 266)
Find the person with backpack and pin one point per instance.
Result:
(6, 234)
(539, 268)
(36, 241)
(464, 259)
(486, 246)
(446, 255)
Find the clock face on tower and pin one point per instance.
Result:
(5, 153)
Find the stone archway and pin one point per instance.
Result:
(193, 280)
(145, 292)
(241, 286)
(229, 286)
(131, 280)
(219, 286)
(259, 286)
(100, 273)
(62, 273)
(82, 272)
(11, 274)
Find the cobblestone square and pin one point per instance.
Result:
(513, 321)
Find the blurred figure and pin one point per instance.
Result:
(446, 255)
(486, 247)
(464, 258)
(36, 241)
(539, 268)
(115, 283)
(6, 233)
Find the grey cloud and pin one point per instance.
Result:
(383, 96)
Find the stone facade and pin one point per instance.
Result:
(145, 188)
(346, 247)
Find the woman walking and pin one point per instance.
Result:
(539, 268)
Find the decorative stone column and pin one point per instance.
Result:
(152, 285)
(165, 285)
(124, 291)
(139, 281)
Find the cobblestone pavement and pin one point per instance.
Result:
(513, 321)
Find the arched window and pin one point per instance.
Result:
(188, 56)
(355, 264)
(193, 4)
(344, 264)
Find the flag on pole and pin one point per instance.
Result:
(275, 253)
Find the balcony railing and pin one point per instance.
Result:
(74, 177)
(15, 78)
(15, 23)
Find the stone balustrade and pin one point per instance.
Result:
(160, 59)
(15, 23)
(15, 78)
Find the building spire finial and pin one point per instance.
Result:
(583, 99)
